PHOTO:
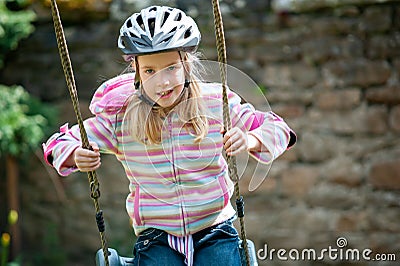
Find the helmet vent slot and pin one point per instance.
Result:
(188, 32)
(129, 24)
(139, 21)
(167, 39)
(178, 17)
(172, 31)
(151, 23)
(166, 15)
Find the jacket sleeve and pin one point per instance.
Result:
(270, 129)
(61, 145)
(108, 101)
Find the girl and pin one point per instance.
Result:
(164, 126)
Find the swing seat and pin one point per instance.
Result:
(115, 260)
(252, 253)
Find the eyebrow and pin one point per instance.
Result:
(166, 65)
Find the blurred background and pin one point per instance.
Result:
(330, 68)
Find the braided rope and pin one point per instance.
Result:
(69, 76)
(231, 160)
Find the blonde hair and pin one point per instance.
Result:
(145, 122)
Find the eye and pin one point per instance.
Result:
(149, 71)
(171, 68)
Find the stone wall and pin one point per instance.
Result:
(332, 73)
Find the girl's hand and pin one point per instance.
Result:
(235, 141)
(87, 160)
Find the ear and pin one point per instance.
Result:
(128, 57)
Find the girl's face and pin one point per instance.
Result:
(162, 76)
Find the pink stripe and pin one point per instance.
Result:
(210, 146)
(136, 207)
(117, 84)
(101, 136)
(258, 120)
(145, 153)
(183, 245)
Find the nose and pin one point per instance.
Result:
(163, 80)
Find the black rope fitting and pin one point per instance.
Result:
(240, 206)
(100, 221)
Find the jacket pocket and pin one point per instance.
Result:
(148, 238)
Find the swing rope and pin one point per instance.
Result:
(231, 160)
(69, 77)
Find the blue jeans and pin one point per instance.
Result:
(217, 245)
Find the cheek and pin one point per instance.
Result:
(178, 77)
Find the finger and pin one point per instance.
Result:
(237, 143)
(233, 152)
(234, 146)
(229, 136)
(86, 166)
(87, 160)
(86, 153)
(233, 137)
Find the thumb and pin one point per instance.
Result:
(94, 146)
(222, 130)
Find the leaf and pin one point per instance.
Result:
(21, 126)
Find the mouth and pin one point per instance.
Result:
(165, 94)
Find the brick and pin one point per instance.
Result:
(356, 72)
(387, 95)
(376, 19)
(315, 148)
(289, 110)
(352, 221)
(297, 181)
(385, 175)
(280, 75)
(396, 65)
(394, 119)
(343, 99)
(384, 46)
(343, 171)
(333, 197)
(376, 120)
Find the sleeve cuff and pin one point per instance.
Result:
(264, 157)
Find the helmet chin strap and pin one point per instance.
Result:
(143, 96)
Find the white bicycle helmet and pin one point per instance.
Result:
(158, 28)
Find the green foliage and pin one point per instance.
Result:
(52, 251)
(14, 26)
(23, 121)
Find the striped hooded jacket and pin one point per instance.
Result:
(178, 186)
